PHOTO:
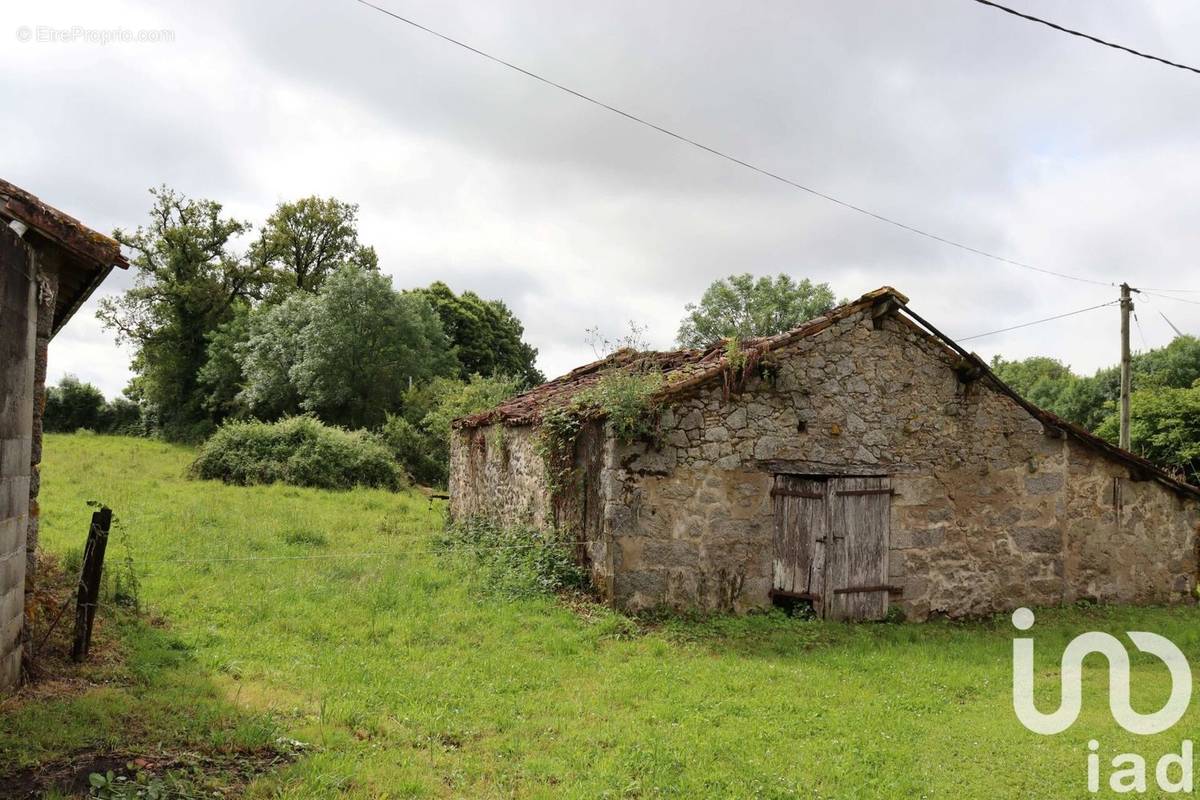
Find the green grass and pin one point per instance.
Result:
(412, 679)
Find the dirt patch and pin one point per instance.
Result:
(220, 774)
(160, 766)
(50, 619)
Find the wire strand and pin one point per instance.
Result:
(1087, 36)
(1141, 333)
(359, 554)
(1037, 321)
(734, 159)
(1170, 297)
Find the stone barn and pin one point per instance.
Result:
(859, 462)
(49, 265)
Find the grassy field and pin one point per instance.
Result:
(329, 618)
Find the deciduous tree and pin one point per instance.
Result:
(187, 281)
(304, 241)
(485, 334)
(347, 353)
(741, 306)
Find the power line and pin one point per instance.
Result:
(1180, 291)
(734, 159)
(1141, 333)
(408, 551)
(1037, 321)
(1087, 36)
(1171, 297)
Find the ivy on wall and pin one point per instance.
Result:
(627, 402)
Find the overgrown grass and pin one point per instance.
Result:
(518, 561)
(413, 677)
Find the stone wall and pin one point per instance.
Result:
(496, 472)
(990, 512)
(47, 294)
(17, 311)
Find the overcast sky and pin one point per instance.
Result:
(944, 114)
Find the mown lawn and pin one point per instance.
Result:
(328, 618)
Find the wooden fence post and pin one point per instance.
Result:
(89, 582)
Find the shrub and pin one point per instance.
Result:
(421, 440)
(516, 561)
(416, 450)
(298, 450)
(121, 416)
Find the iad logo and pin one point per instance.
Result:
(1118, 680)
(1129, 773)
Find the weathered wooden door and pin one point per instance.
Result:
(857, 568)
(801, 520)
(831, 544)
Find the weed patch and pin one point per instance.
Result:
(158, 774)
(515, 561)
(625, 400)
(305, 537)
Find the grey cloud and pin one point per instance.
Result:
(945, 115)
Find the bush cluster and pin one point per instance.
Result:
(419, 438)
(298, 450)
(516, 561)
(416, 450)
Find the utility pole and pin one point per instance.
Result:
(1126, 363)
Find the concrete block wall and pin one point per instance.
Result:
(17, 339)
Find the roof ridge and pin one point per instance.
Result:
(526, 407)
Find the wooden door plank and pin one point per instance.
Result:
(860, 531)
(797, 564)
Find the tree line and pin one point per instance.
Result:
(1164, 405)
(300, 321)
(303, 322)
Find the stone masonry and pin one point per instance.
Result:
(992, 508)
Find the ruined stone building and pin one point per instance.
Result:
(858, 462)
(49, 265)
